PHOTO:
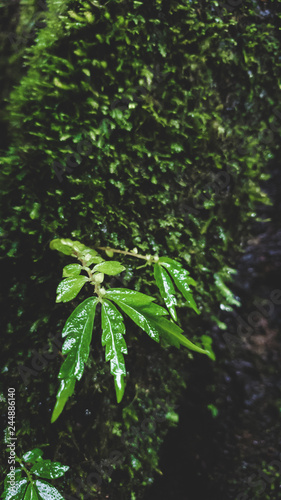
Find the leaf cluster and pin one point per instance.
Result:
(28, 481)
(139, 307)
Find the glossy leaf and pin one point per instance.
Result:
(65, 391)
(67, 246)
(18, 476)
(153, 309)
(172, 333)
(49, 470)
(78, 329)
(76, 249)
(168, 331)
(71, 270)
(46, 491)
(182, 281)
(173, 264)
(166, 289)
(110, 267)
(76, 321)
(33, 456)
(31, 493)
(131, 297)
(69, 288)
(30, 489)
(90, 256)
(77, 246)
(16, 493)
(141, 315)
(63, 245)
(113, 330)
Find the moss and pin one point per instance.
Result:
(135, 125)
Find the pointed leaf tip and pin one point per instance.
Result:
(119, 387)
(66, 390)
(181, 279)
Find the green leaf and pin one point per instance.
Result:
(64, 246)
(49, 470)
(46, 491)
(90, 256)
(168, 330)
(71, 270)
(78, 330)
(33, 456)
(166, 289)
(66, 390)
(31, 493)
(69, 288)
(172, 333)
(17, 476)
(182, 281)
(95, 259)
(113, 330)
(207, 344)
(173, 264)
(17, 493)
(109, 253)
(131, 297)
(152, 310)
(110, 267)
(76, 249)
(79, 247)
(67, 246)
(225, 291)
(139, 315)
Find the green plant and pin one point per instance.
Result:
(177, 100)
(27, 482)
(138, 306)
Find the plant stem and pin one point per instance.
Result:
(92, 279)
(137, 255)
(29, 476)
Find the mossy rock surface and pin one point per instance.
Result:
(134, 125)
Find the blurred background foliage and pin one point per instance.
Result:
(126, 124)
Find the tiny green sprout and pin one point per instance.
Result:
(98, 277)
